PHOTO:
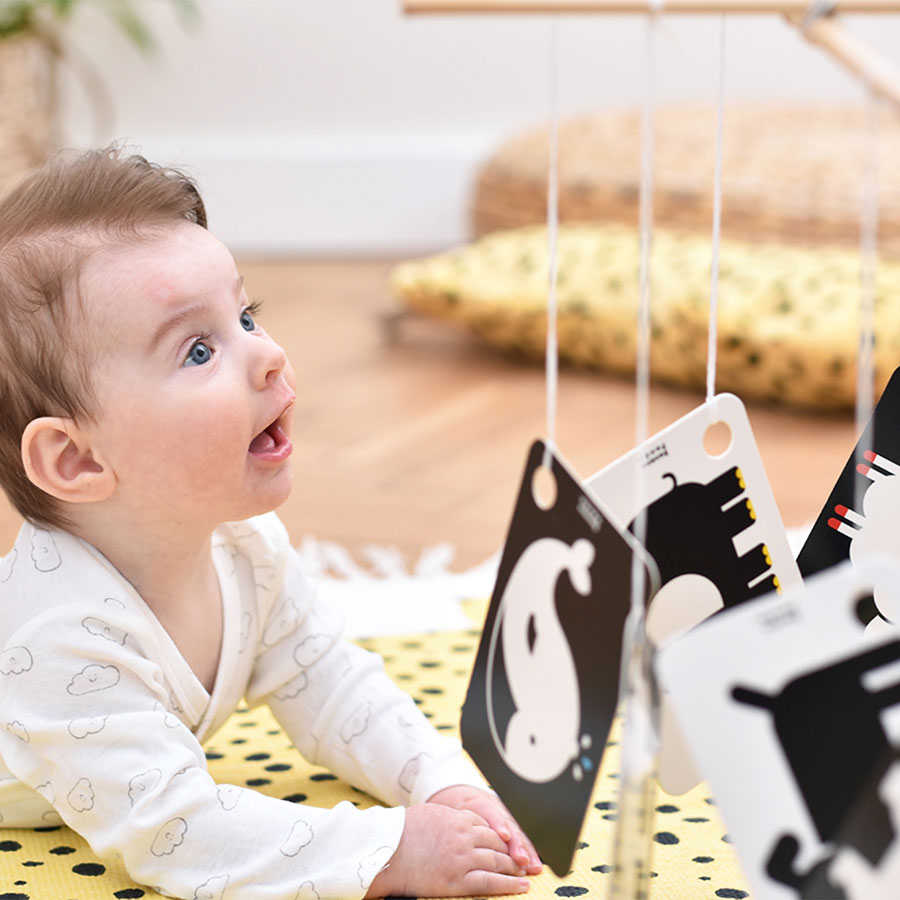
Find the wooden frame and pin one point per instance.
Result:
(823, 29)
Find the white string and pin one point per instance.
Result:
(716, 227)
(552, 360)
(865, 368)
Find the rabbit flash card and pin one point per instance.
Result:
(545, 685)
(713, 529)
(794, 716)
(862, 515)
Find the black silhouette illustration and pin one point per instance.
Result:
(691, 529)
(829, 725)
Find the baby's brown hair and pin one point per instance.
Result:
(51, 222)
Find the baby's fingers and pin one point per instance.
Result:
(479, 883)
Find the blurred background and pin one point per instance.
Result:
(334, 139)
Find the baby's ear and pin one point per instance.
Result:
(58, 459)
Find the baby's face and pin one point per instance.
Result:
(193, 397)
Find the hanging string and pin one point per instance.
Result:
(552, 356)
(632, 849)
(865, 369)
(716, 226)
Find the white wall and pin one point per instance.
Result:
(344, 127)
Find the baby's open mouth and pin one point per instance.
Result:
(272, 439)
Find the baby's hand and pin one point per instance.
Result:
(489, 807)
(445, 852)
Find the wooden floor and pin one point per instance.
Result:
(422, 438)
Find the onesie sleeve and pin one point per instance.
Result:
(342, 711)
(87, 722)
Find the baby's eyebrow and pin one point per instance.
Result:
(172, 322)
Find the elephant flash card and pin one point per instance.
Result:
(793, 712)
(545, 685)
(712, 528)
(848, 529)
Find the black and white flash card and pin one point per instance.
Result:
(545, 685)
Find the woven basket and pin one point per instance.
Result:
(26, 105)
(789, 173)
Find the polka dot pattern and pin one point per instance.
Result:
(691, 856)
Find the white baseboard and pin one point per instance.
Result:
(332, 195)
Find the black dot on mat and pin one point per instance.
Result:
(605, 804)
(665, 837)
(570, 890)
(257, 782)
(461, 648)
(246, 724)
(703, 859)
(14, 897)
(46, 829)
(256, 757)
(323, 776)
(128, 894)
(90, 869)
(273, 732)
(9, 846)
(604, 869)
(279, 767)
(581, 845)
(212, 754)
(696, 819)
(726, 838)
(403, 677)
(705, 878)
(667, 808)
(611, 817)
(444, 727)
(434, 690)
(295, 798)
(239, 741)
(32, 863)
(62, 851)
(731, 893)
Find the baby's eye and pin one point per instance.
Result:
(199, 354)
(248, 323)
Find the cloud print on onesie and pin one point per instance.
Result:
(301, 835)
(7, 564)
(81, 797)
(82, 728)
(93, 678)
(99, 628)
(15, 661)
(169, 837)
(213, 888)
(307, 892)
(371, 865)
(44, 554)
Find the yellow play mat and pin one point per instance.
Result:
(692, 858)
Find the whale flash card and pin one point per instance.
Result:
(545, 685)
(793, 712)
(712, 528)
(843, 531)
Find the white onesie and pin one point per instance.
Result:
(102, 720)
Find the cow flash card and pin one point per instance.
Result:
(713, 529)
(545, 685)
(793, 711)
(845, 531)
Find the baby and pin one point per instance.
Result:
(145, 438)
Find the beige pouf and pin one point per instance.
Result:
(790, 173)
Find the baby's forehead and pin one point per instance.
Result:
(162, 267)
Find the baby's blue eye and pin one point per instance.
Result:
(199, 354)
(248, 323)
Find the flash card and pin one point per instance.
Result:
(713, 529)
(793, 712)
(545, 685)
(843, 531)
